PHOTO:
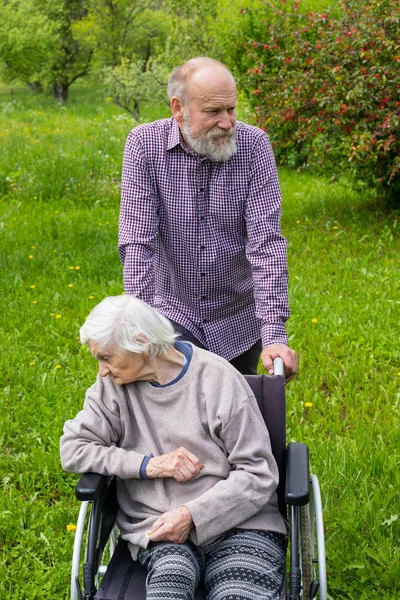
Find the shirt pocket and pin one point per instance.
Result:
(227, 208)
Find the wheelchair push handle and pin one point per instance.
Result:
(278, 366)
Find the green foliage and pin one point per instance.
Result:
(45, 42)
(133, 83)
(127, 29)
(59, 205)
(326, 89)
(52, 44)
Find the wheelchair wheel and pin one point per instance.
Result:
(318, 539)
(307, 574)
(79, 570)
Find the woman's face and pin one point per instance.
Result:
(120, 365)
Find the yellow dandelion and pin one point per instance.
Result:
(314, 320)
(54, 250)
(70, 527)
(33, 247)
(308, 404)
(298, 221)
(35, 197)
(34, 302)
(52, 314)
(22, 364)
(107, 222)
(56, 212)
(91, 297)
(31, 363)
(32, 287)
(336, 227)
(70, 285)
(100, 224)
(15, 218)
(58, 316)
(30, 256)
(398, 374)
(77, 268)
(71, 268)
(58, 366)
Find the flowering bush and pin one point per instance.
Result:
(326, 88)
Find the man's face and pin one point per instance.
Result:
(209, 117)
(120, 365)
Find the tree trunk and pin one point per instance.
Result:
(60, 92)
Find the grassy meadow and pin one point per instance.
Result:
(59, 200)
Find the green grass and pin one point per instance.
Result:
(59, 196)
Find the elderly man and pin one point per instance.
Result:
(199, 231)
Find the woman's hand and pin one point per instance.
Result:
(180, 464)
(173, 526)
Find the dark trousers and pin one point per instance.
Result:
(245, 363)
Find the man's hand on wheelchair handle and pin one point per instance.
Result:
(173, 526)
(180, 464)
(288, 356)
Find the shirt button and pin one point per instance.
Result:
(204, 297)
(202, 247)
(201, 218)
(205, 321)
(202, 274)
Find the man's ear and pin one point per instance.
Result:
(177, 108)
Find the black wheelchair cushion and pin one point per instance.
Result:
(125, 579)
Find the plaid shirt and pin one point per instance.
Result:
(200, 241)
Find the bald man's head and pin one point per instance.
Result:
(195, 72)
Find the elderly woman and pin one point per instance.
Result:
(181, 430)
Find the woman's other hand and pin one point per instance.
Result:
(173, 526)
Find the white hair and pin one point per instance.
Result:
(130, 324)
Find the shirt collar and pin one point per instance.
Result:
(174, 137)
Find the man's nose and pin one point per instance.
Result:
(225, 122)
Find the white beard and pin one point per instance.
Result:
(207, 146)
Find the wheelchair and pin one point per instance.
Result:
(102, 567)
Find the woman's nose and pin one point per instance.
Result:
(103, 370)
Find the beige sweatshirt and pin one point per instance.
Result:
(212, 412)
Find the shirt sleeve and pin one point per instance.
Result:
(90, 441)
(266, 247)
(250, 484)
(139, 220)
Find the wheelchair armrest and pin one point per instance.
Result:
(91, 486)
(297, 491)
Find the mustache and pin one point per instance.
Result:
(217, 133)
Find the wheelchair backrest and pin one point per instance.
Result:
(270, 395)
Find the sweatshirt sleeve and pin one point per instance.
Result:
(252, 480)
(90, 441)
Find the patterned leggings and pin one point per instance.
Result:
(241, 564)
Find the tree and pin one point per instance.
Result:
(133, 82)
(45, 43)
(124, 29)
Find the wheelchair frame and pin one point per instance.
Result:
(297, 492)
